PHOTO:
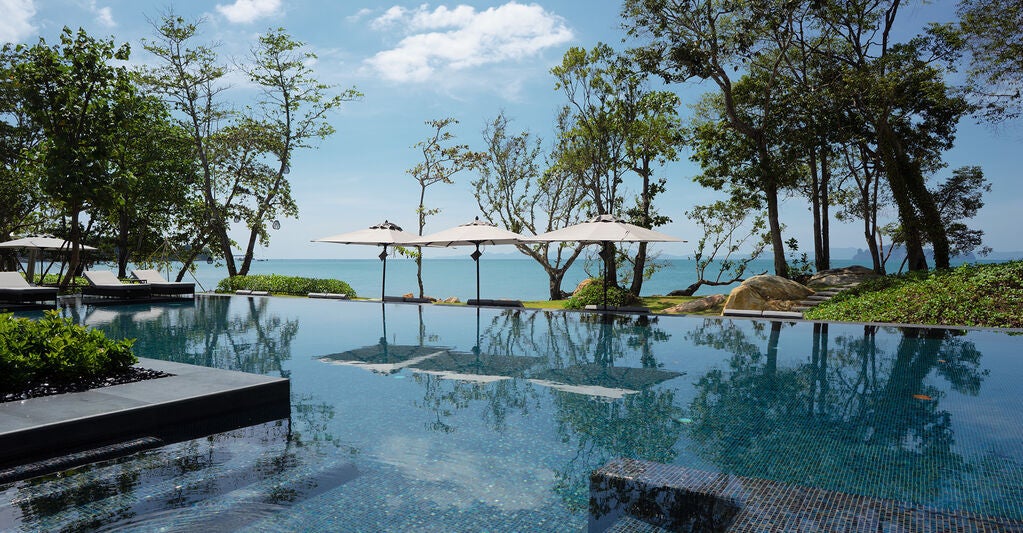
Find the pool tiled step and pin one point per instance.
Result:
(676, 498)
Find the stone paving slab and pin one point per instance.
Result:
(41, 428)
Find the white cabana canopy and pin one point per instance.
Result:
(476, 233)
(38, 244)
(384, 234)
(603, 230)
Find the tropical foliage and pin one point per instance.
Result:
(54, 349)
(593, 293)
(279, 284)
(970, 295)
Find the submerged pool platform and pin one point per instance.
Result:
(51, 433)
(630, 495)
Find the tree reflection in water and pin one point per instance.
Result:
(851, 418)
(640, 424)
(220, 332)
(278, 462)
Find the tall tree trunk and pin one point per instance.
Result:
(824, 260)
(930, 218)
(815, 207)
(76, 249)
(637, 270)
(896, 165)
(555, 277)
(122, 243)
(781, 268)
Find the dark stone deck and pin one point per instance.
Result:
(55, 432)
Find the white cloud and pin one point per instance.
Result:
(245, 11)
(104, 15)
(16, 23)
(390, 17)
(445, 39)
(359, 15)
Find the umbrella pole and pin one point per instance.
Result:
(607, 271)
(476, 257)
(383, 278)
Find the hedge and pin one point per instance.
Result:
(278, 284)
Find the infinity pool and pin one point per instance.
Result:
(442, 418)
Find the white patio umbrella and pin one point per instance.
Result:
(36, 245)
(603, 230)
(384, 234)
(475, 233)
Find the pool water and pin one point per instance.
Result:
(445, 418)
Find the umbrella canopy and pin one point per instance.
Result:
(41, 243)
(475, 233)
(384, 234)
(603, 230)
(36, 245)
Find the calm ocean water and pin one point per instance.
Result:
(521, 279)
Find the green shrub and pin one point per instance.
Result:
(56, 350)
(593, 294)
(970, 295)
(279, 284)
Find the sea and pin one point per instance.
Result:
(514, 278)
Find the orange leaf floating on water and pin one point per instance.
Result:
(942, 361)
(922, 397)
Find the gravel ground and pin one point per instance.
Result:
(36, 390)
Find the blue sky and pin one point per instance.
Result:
(416, 62)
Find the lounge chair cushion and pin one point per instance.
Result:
(161, 286)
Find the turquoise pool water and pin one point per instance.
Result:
(437, 418)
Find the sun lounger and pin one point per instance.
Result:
(14, 289)
(493, 303)
(162, 287)
(104, 283)
(328, 295)
(620, 309)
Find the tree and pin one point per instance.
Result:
(441, 160)
(652, 139)
(294, 108)
(712, 40)
(514, 191)
(153, 172)
(959, 198)
(992, 36)
(191, 80)
(613, 124)
(725, 231)
(20, 170)
(73, 93)
(898, 96)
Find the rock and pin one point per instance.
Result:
(767, 293)
(582, 284)
(452, 300)
(850, 275)
(702, 304)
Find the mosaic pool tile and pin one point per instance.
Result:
(682, 499)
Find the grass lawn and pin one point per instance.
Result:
(656, 304)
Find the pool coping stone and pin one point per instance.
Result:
(195, 400)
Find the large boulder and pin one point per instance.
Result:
(767, 293)
(837, 277)
(695, 306)
(584, 283)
